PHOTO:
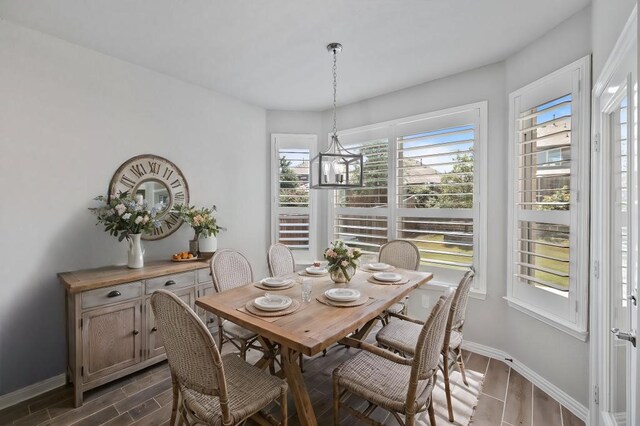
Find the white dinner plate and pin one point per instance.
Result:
(342, 294)
(316, 271)
(387, 276)
(272, 303)
(378, 266)
(275, 282)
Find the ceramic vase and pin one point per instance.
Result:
(338, 276)
(207, 245)
(136, 252)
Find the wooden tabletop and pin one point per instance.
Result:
(315, 326)
(87, 279)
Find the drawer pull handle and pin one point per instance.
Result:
(114, 293)
(170, 282)
(154, 329)
(136, 332)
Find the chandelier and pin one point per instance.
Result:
(336, 167)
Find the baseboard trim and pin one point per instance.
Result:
(552, 390)
(30, 391)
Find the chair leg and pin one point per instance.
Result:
(176, 397)
(460, 363)
(432, 413)
(243, 350)
(220, 335)
(336, 402)
(410, 419)
(283, 409)
(447, 387)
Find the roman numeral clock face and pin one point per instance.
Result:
(159, 182)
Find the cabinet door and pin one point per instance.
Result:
(110, 339)
(155, 344)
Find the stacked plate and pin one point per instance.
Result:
(342, 294)
(390, 277)
(378, 266)
(275, 282)
(272, 302)
(316, 270)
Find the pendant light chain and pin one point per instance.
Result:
(335, 85)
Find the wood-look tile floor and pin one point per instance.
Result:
(144, 398)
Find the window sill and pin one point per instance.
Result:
(540, 315)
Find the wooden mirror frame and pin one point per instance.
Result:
(148, 167)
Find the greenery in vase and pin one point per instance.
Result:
(200, 219)
(340, 257)
(123, 216)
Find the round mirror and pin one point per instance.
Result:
(155, 194)
(157, 181)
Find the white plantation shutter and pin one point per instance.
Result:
(422, 179)
(435, 190)
(360, 215)
(292, 206)
(548, 232)
(544, 194)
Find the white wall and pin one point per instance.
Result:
(68, 118)
(608, 18)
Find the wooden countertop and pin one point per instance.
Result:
(89, 279)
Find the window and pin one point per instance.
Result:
(293, 216)
(423, 178)
(548, 235)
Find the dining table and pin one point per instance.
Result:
(315, 325)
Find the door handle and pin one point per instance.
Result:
(629, 336)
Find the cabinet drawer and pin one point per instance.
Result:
(171, 282)
(113, 294)
(204, 275)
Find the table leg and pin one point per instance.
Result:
(297, 387)
(364, 331)
(269, 354)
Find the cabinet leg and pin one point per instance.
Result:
(77, 395)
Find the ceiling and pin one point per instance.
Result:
(272, 53)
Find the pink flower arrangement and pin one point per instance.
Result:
(340, 257)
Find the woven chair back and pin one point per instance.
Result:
(230, 269)
(193, 356)
(429, 344)
(459, 304)
(401, 254)
(280, 260)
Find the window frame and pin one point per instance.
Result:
(388, 129)
(571, 314)
(296, 141)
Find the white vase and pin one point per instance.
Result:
(136, 252)
(207, 245)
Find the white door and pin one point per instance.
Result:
(616, 236)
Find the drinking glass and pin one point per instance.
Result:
(306, 290)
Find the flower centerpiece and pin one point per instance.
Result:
(124, 217)
(205, 228)
(343, 261)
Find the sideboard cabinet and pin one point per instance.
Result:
(111, 330)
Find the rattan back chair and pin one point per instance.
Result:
(387, 380)
(230, 269)
(452, 345)
(204, 382)
(401, 336)
(280, 260)
(401, 254)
